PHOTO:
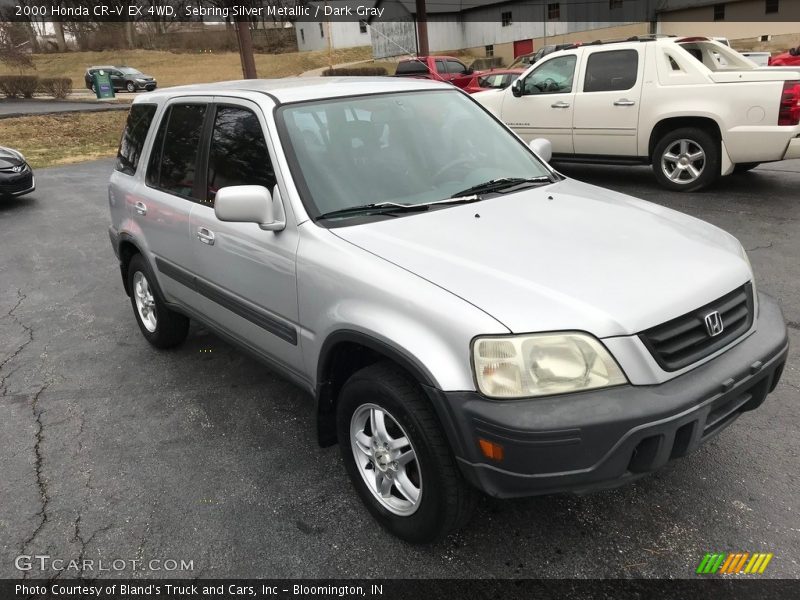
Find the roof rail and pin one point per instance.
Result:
(634, 38)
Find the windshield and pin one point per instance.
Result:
(406, 148)
(130, 71)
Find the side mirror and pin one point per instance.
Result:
(469, 71)
(543, 148)
(516, 88)
(251, 204)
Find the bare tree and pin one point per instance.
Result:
(10, 54)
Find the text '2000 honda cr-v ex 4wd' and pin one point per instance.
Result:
(464, 316)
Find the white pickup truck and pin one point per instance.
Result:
(693, 108)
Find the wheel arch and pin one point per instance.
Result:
(671, 123)
(127, 250)
(343, 353)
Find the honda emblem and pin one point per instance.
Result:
(714, 324)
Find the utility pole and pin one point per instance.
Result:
(246, 49)
(330, 40)
(544, 23)
(422, 29)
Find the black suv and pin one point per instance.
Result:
(122, 78)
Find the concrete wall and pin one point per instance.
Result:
(445, 33)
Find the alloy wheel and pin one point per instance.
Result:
(145, 303)
(386, 459)
(683, 161)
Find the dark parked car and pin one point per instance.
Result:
(16, 176)
(122, 78)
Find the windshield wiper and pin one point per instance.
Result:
(496, 185)
(376, 207)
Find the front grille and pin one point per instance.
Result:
(16, 184)
(685, 340)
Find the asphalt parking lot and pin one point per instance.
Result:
(112, 450)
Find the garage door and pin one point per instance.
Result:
(523, 47)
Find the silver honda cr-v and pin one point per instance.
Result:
(465, 317)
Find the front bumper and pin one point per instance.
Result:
(25, 183)
(602, 439)
(146, 85)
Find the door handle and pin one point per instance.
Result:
(141, 208)
(206, 236)
(624, 102)
(560, 104)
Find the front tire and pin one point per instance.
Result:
(398, 458)
(130, 87)
(162, 327)
(687, 159)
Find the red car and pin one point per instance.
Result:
(440, 68)
(496, 79)
(787, 59)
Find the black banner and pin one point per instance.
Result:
(597, 12)
(711, 588)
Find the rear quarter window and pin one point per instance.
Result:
(131, 145)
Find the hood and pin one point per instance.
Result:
(9, 159)
(568, 256)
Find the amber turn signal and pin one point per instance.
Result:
(491, 450)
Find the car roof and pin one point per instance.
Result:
(299, 89)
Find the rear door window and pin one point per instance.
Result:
(130, 147)
(173, 163)
(238, 153)
(611, 70)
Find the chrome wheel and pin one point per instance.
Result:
(131, 88)
(683, 161)
(386, 459)
(145, 303)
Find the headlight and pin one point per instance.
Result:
(542, 365)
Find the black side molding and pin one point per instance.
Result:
(257, 316)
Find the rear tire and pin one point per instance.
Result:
(687, 159)
(744, 167)
(378, 461)
(162, 327)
